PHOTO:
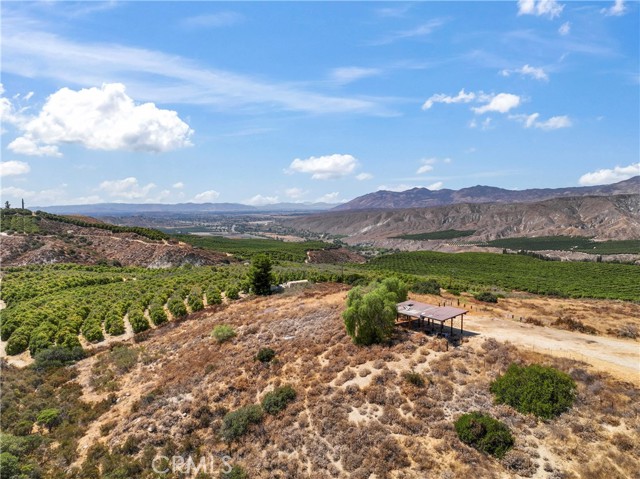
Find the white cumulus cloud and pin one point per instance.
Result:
(606, 176)
(325, 167)
(103, 118)
(617, 9)
(501, 103)
(126, 188)
(206, 196)
(461, 97)
(178, 186)
(435, 186)
(14, 168)
(540, 8)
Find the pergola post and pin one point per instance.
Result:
(461, 325)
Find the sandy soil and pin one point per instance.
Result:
(618, 357)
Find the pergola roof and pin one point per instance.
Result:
(438, 313)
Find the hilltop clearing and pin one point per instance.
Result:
(354, 414)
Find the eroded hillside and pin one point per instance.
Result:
(58, 242)
(613, 217)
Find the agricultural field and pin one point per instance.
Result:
(464, 271)
(568, 243)
(53, 305)
(246, 248)
(437, 235)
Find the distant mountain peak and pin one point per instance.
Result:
(420, 197)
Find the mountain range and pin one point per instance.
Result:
(423, 197)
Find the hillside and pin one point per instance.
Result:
(52, 241)
(602, 217)
(354, 415)
(423, 197)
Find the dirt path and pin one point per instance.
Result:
(619, 357)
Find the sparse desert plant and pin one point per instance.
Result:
(223, 332)
(414, 378)
(628, 331)
(236, 423)
(486, 297)
(484, 433)
(276, 400)
(574, 325)
(539, 390)
(265, 355)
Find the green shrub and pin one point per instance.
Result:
(18, 342)
(114, 323)
(49, 418)
(157, 313)
(42, 337)
(484, 433)
(414, 378)
(543, 391)
(57, 356)
(138, 321)
(236, 472)
(232, 292)
(195, 299)
(236, 423)
(430, 286)
(176, 307)
(92, 330)
(214, 296)
(486, 297)
(223, 332)
(265, 355)
(276, 400)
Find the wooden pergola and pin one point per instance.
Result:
(415, 310)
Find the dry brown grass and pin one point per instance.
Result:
(355, 415)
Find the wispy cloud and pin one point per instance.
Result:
(157, 76)
(393, 12)
(422, 30)
(537, 73)
(346, 75)
(565, 28)
(617, 9)
(553, 123)
(212, 20)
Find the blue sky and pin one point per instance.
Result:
(313, 101)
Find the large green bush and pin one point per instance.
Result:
(486, 297)
(276, 400)
(236, 423)
(543, 391)
(18, 342)
(484, 433)
(370, 316)
(429, 286)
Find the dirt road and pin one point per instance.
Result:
(621, 358)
